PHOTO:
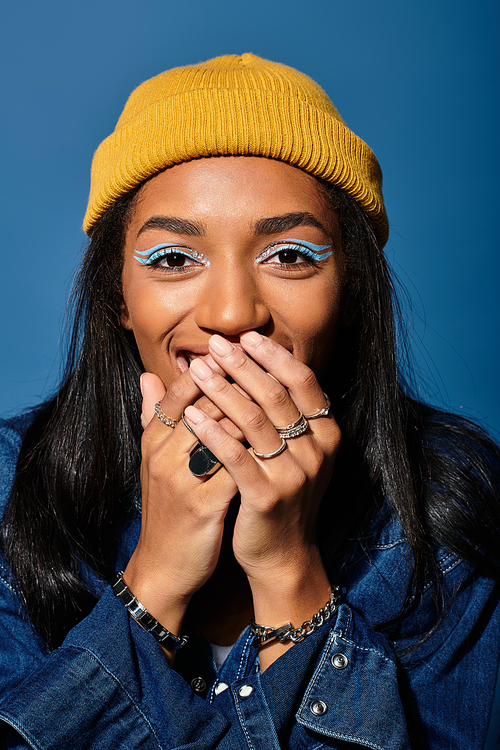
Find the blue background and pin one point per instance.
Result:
(417, 80)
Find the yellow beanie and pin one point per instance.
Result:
(234, 105)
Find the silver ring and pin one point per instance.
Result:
(163, 417)
(273, 454)
(188, 427)
(324, 411)
(293, 430)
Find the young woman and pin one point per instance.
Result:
(233, 527)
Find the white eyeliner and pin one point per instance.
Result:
(307, 249)
(167, 248)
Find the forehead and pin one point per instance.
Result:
(231, 190)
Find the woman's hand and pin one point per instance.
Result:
(182, 515)
(275, 532)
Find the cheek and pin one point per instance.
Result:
(154, 312)
(318, 324)
(140, 310)
(148, 313)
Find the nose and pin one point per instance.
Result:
(231, 302)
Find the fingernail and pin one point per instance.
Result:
(193, 414)
(140, 383)
(251, 338)
(201, 369)
(221, 346)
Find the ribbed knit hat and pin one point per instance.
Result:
(234, 105)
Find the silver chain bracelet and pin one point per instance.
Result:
(264, 633)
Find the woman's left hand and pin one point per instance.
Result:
(275, 532)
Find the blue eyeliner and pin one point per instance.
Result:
(167, 248)
(308, 249)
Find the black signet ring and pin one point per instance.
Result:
(202, 461)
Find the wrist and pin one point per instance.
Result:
(290, 598)
(165, 606)
(306, 610)
(138, 611)
(303, 583)
(264, 634)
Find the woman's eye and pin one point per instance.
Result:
(175, 260)
(303, 253)
(288, 257)
(170, 256)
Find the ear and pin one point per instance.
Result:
(125, 318)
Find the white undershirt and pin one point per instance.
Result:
(220, 654)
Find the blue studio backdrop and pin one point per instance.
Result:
(417, 81)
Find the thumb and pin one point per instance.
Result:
(152, 390)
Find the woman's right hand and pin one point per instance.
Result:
(182, 515)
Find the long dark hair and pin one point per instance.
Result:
(439, 472)
(77, 474)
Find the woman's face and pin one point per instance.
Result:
(226, 245)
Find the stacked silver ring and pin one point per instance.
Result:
(293, 430)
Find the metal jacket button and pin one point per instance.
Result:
(340, 661)
(318, 708)
(220, 688)
(198, 684)
(245, 691)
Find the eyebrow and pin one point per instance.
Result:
(173, 224)
(271, 225)
(276, 224)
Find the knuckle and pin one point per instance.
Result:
(197, 510)
(181, 389)
(316, 459)
(156, 464)
(306, 379)
(208, 407)
(268, 499)
(212, 433)
(147, 440)
(334, 437)
(296, 477)
(239, 360)
(231, 428)
(337, 435)
(276, 395)
(219, 385)
(254, 418)
(323, 446)
(236, 455)
(272, 348)
(228, 449)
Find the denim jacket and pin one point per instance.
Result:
(109, 686)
